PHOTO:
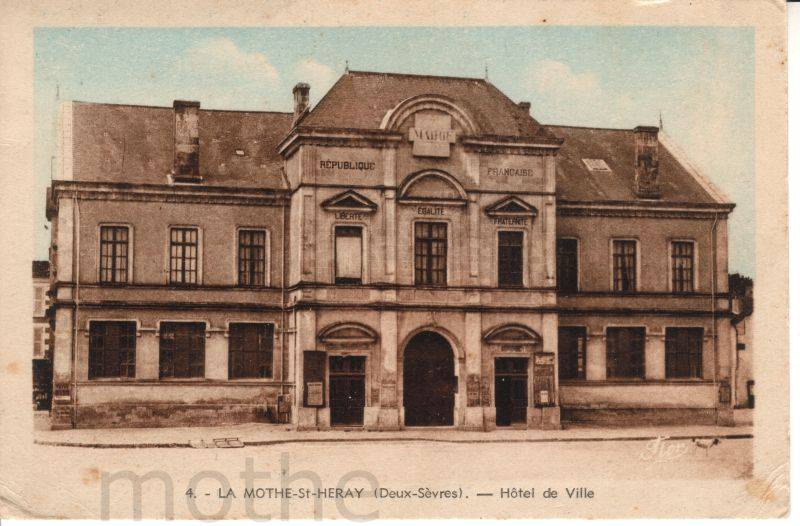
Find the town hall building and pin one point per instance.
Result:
(412, 251)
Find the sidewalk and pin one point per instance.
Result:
(255, 434)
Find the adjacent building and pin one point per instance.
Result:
(42, 353)
(413, 251)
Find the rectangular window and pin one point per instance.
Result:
(183, 247)
(624, 265)
(509, 259)
(250, 350)
(39, 294)
(684, 352)
(625, 352)
(682, 266)
(38, 342)
(572, 353)
(112, 349)
(252, 258)
(430, 253)
(567, 265)
(182, 350)
(113, 254)
(348, 240)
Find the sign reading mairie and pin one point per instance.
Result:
(432, 135)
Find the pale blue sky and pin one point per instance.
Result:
(701, 79)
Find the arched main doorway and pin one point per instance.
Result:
(429, 381)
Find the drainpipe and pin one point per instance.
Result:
(76, 233)
(714, 307)
(283, 289)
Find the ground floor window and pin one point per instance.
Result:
(250, 350)
(572, 353)
(684, 352)
(182, 350)
(112, 349)
(625, 352)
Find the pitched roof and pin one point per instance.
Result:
(361, 99)
(575, 182)
(134, 144)
(40, 269)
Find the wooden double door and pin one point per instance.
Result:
(429, 381)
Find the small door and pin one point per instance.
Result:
(347, 390)
(511, 390)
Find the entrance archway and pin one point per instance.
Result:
(429, 381)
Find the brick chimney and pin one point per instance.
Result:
(300, 93)
(186, 162)
(647, 183)
(525, 106)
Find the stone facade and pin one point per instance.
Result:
(409, 249)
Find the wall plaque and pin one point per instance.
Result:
(432, 135)
(314, 394)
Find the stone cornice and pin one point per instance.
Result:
(104, 191)
(642, 210)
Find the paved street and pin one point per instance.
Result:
(613, 471)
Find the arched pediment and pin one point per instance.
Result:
(397, 115)
(348, 333)
(512, 334)
(432, 185)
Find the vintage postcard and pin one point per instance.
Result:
(435, 260)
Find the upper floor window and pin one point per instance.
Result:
(183, 250)
(625, 352)
(250, 350)
(509, 259)
(684, 352)
(39, 339)
(182, 350)
(252, 257)
(572, 353)
(430, 253)
(112, 349)
(39, 300)
(682, 256)
(348, 248)
(624, 262)
(113, 254)
(567, 265)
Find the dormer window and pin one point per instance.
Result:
(596, 165)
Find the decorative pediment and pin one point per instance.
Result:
(511, 206)
(349, 200)
(348, 333)
(513, 334)
(432, 186)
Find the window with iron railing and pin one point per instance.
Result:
(625, 352)
(684, 352)
(112, 349)
(250, 350)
